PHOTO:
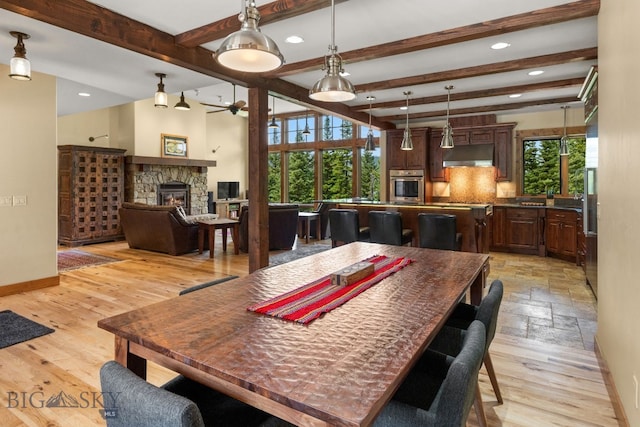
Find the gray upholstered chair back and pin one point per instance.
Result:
(386, 227)
(488, 309)
(438, 231)
(131, 401)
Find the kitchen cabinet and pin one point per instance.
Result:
(503, 143)
(407, 159)
(516, 230)
(561, 234)
(437, 173)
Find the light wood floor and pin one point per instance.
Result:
(542, 353)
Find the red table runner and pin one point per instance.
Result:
(308, 302)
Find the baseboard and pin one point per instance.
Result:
(31, 285)
(616, 402)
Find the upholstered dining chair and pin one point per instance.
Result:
(438, 231)
(386, 227)
(131, 401)
(464, 314)
(439, 390)
(344, 225)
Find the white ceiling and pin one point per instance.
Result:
(115, 76)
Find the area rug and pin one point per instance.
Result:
(73, 259)
(299, 252)
(15, 329)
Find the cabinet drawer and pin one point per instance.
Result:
(522, 213)
(559, 215)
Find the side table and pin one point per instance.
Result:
(210, 226)
(304, 219)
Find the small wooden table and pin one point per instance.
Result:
(306, 218)
(211, 225)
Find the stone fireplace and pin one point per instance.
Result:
(158, 181)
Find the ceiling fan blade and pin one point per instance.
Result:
(214, 105)
(216, 111)
(240, 104)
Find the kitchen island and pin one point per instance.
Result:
(471, 219)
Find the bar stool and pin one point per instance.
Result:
(438, 231)
(344, 225)
(386, 227)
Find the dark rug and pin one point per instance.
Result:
(299, 252)
(15, 329)
(73, 258)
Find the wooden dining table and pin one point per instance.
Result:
(340, 369)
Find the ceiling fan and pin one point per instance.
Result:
(234, 108)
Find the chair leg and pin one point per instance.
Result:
(477, 404)
(492, 376)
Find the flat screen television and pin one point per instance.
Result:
(228, 189)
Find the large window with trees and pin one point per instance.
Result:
(337, 174)
(301, 177)
(275, 177)
(546, 172)
(370, 174)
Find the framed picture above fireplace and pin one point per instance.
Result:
(173, 145)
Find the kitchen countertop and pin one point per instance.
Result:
(517, 205)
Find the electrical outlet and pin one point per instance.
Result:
(635, 384)
(19, 200)
(6, 201)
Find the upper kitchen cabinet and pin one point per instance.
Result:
(407, 159)
(437, 173)
(503, 143)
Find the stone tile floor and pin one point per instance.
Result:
(545, 300)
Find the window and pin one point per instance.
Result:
(275, 177)
(543, 166)
(301, 176)
(336, 129)
(337, 174)
(297, 125)
(370, 174)
(275, 134)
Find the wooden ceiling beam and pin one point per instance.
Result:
(537, 18)
(587, 54)
(484, 93)
(269, 13)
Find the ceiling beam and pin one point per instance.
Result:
(587, 54)
(484, 93)
(537, 18)
(482, 109)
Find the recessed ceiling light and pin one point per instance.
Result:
(344, 73)
(84, 94)
(500, 45)
(294, 39)
(535, 73)
(404, 107)
(515, 95)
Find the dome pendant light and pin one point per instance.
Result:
(161, 99)
(306, 130)
(182, 105)
(273, 124)
(20, 65)
(369, 145)
(407, 143)
(248, 49)
(564, 141)
(447, 131)
(333, 87)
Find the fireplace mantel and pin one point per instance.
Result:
(165, 161)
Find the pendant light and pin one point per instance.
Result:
(564, 141)
(247, 49)
(369, 144)
(333, 87)
(182, 105)
(161, 99)
(447, 131)
(306, 130)
(20, 65)
(273, 124)
(407, 143)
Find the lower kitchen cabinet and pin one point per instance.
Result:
(517, 230)
(562, 234)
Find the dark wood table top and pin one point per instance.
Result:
(338, 370)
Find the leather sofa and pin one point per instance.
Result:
(283, 226)
(158, 228)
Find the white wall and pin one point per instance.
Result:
(230, 133)
(619, 177)
(28, 168)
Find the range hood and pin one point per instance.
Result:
(478, 155)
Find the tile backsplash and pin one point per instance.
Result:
(472, 185)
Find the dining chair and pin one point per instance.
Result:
(438, 231)
(344, 226)
(463, 315)
(439, 390)
(131, 401)
(386, 227)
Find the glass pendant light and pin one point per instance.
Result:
(20, 65)
(564, 141)
(248, 49)
(447, 131)
(407, 143)
(182, 105)
(273, 124)
(369, 144)
(333, 87)
(161, 99)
